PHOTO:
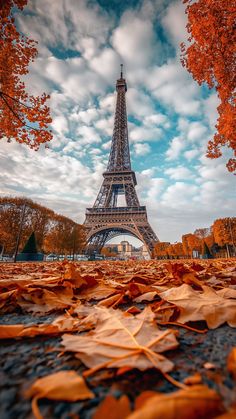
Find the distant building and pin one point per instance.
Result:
(125, 250)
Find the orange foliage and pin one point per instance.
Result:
(224, 230)
(23, 117)
(191, 243)
(107, 252)
(161, 249)
(54, 233)
(210, 58)
(175, 250)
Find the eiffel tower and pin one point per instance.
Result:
(105, 219)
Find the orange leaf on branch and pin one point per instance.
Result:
(210, 57)
(24, 117)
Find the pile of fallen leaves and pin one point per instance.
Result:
(123, 316)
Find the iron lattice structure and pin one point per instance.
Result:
(105, 219)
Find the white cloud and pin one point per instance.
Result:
(139, 104)
(157, 119)
(194, 131)
(142, 133)
(65, 24)
(175, 21)
(210, 110)
(171, 84)
(177, 144)
(190, 154)
(178, 195)
(60, 124)
(106, 64)
(88, 135)
(179, 173)
(141, 149)
(135, 50)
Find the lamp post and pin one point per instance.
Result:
(231, 234)
(19, 232)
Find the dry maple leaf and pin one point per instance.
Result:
(39, 300)
(63, 385)
(61, 324)
(73, 276)
(195, 402)
(113, 408)
(122, 340)
(206, 305)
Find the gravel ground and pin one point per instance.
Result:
(24, 360)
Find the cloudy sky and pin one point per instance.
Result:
(81, 45)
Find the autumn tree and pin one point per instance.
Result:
(201, 233)
(160, 249)
(175, 250)
(108, 252)
(224, 230)
(54, 232)
(210, 57)
(23, 117)
(191, 243)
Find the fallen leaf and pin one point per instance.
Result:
(112, 301)
(113, 408)
(147, 296)
(143, 397)
(123, 340)
(193, 379)
(133, 310)
(205, 305)
(64, 323)
(62, 385)
(195, 402)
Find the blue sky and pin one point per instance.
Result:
(81, 44)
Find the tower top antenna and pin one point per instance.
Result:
(121, 71)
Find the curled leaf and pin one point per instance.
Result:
(62, 385)
(195, 402)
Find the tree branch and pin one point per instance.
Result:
(18, 101)
(15, 114)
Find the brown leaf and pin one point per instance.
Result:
(195, 402)
(62, 385)
(193, 379)
(64, 323)
(143, 397)
(207, 305)
(147, 296)
(122, 340)
(112, 408)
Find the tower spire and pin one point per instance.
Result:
(121, 71)
(119, 159)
